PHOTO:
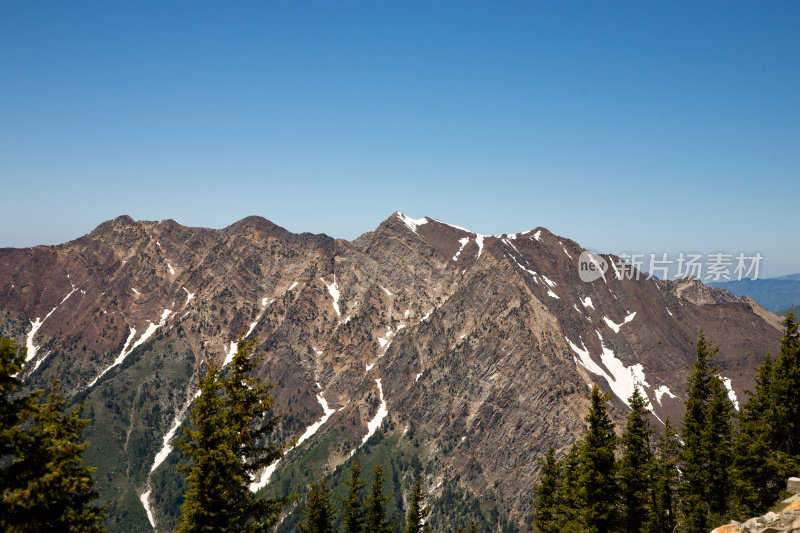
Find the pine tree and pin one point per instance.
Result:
(784, 420)
(15, 409)
(545, 495)
(665, 479)
(598, 475)
(767, 429)
(705, 489)
(718, 436)
(45, 486)
(318, 511)
(376, 520)
(415, 517)
(570, 499)
(635, 465)
(225, 448)
(756, 464)
(53, 490)
(353, 512)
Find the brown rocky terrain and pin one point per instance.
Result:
(463, 355)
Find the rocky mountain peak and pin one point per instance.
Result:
(420, 341)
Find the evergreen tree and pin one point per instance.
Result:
(756, 464)
(635, 465)
(415, 517)
(353, 512)
(45, 486)
(15, 409)
(571, 494)
(318, 511)
(784, 418)
(225, 448)
(718, 436)
(473, 527)
(598, 475)
(52, 490)
(705, 488)
(664, 493)
(376, 520)
(545, 495)
(767, 430)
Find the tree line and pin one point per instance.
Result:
(360, 512)
(720, 466)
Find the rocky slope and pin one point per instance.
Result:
(459, 355)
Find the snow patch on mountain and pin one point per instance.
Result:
(333, 290)
(385, 344)
(412, 223)
(189, 296)
(166, 447)
(313, 428)
(452, 225)
(307, 434)
(230, 351)
(587, 303)
(661, 391)
(509, 243)
(40, 361)
(479, 242)
(528, 270)
(731, 392)
(613, 325)
(552, 294)
(620, 378)
(463, 241)
(538, 235)
(375, 423)
(145, 499)
(151, 328)
(37, 324)
(265, 475)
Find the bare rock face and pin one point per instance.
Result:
(458, 355)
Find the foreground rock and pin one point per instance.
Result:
(787, 520)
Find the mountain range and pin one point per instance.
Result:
(776, 294)
(422, 345)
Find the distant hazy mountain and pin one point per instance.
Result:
(775, 294)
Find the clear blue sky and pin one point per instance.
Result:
(627, 126)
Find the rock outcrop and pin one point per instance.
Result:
(787, 520)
